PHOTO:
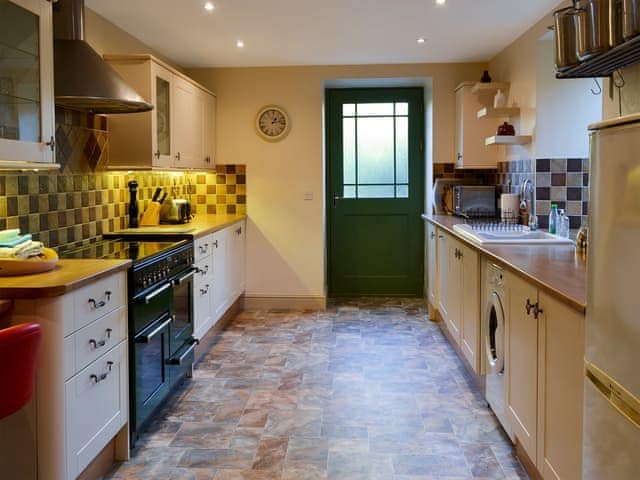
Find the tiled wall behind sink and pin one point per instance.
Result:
(564, 181)
(78, 203)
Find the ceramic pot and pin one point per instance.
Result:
(486, 78)
(506, 129)
(500, 100)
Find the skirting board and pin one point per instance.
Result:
(293, 303)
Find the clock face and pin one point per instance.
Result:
(272, 123)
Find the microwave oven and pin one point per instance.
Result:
(474, 201)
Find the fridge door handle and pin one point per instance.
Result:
(620, 398)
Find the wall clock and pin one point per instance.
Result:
(272, 123)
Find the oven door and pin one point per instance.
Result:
(182, 308)
(150, 378)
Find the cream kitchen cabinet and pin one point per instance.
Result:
(432, 264)
(27, 122)
(545, 354)
(179, 133)
(459, 286)
(220, 277)
(81, 400)
(522, 362)
(471, 131)
(560, 400)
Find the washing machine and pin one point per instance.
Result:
(494, 340)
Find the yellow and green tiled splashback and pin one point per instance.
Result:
(79, 202)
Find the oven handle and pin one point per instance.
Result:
(155, 331)
(188, 275)
(147, 298)
(180, 359)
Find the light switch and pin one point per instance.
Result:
(308, 195)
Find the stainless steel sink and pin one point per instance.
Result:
(491, 234)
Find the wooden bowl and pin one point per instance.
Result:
(27, 266)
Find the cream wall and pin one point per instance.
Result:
(286, 234)
(105, 38)
(516, 64)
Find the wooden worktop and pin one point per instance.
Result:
(556, 269)
(68, 275)
(201, 225)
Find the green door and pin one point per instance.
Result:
(375, 191)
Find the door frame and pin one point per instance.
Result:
(331, 149)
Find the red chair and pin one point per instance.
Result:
(18, 359)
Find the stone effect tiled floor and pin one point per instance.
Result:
(369, 389)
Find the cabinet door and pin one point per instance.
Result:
(443, 272)
(209, 130)
(188, 124)
(454, 292)
(237, 261)
(470, 335)
(162, 116)
(432, 264)
(26, 82)
(202, 295)
(221, 273)
(471, 131)
(560, 403)
(522, 363)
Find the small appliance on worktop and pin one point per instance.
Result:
(161, 342)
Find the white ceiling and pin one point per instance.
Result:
(302, 32)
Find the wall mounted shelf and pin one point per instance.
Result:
(606, 63)
(508, 140)
(489, 88)
(489, 112)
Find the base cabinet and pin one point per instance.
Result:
(459, 294)
(560, 402)
(220, 277)
(522, 362)
(81, 400)
(432, 264)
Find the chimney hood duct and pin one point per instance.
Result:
(83, 80)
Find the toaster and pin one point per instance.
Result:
(176, 210)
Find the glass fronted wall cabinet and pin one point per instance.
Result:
(27, 119)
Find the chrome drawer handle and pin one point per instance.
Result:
(204, 248)
(98, 378)
(99, 304)
(157, 292)
(215, 243)
(239, 231)
(181, 358)
(204, 291)
(97, 344)
(149, 337)
(203, 271)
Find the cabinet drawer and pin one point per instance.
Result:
(98, 299)
(100, 336)
(204, 274)
(96, 407)
(202, 247)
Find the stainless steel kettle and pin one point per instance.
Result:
(176, 210)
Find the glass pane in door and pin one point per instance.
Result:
(163, 116)
(20, 117)
(375, 140)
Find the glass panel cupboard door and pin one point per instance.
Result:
(162, 116)
(26, 81)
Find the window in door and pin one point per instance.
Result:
(375, 150)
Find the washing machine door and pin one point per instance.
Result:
(494, 336)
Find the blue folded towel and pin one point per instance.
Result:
(17, 241)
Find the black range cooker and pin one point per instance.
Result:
(161, 341)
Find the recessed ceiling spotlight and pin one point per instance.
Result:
(240, 44)
(421, 40)
(209, 6)
(441, 2)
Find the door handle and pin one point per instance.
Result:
(335, 200)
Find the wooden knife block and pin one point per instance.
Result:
(151, 216)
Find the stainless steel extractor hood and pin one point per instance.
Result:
(83, 80)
